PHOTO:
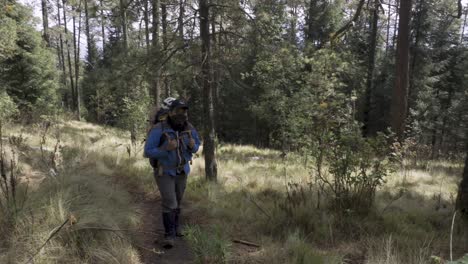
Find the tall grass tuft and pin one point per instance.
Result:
(208, 245)
(87, 202)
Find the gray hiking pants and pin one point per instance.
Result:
(172, 190)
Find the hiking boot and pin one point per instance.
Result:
(168, 242)
(176, 222)
(169, 229)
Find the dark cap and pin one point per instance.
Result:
(179, 103)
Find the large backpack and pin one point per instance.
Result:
(154, 162)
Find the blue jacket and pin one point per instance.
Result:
(170, 161)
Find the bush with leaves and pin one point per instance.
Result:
(298, 91)
(27, 72)
(358, 166)
(7, 107)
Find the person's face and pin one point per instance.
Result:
(163, 117)
(179, 111)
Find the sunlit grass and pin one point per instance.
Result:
(409, 223)
(85, 191)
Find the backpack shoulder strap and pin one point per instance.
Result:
(164, 134)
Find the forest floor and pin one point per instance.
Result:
(180, 254)
(150, 241)
(104, 188)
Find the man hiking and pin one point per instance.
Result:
(171, 143)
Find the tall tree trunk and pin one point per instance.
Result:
(181, 19)
(76, 46)
(464, 25)
(61, 55)
(371, 66)
(292, 32)
(156, 51)
(389, 17)
(103, 30)
(395, 25)
(435, 129)
(415, 55)
(45, 22)
(445, 116)
(211, 167)
(400, 90)
(167, 89)
(434, 141)
(123, 17)
(146, 19)
(89, 40)
(164, 23)
(310, 22)
(67, 43)
(214, 60)
(462, 198)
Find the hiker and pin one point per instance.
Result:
(161, 114)
(172, 142)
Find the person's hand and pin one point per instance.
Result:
(171, 145)
(191, 143)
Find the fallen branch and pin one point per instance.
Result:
(48, 239)
(247, 243)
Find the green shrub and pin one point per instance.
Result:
(7, 107)
(356, 167)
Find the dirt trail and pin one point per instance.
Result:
(152, 220)
(149, 241)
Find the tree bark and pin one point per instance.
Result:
(395, 25)
(435, 129)
(103, 31)
(157, 73)
(67, 43)
(45, 22)
(215, 70)
(389, 16)
(371, 67)
(61, 55)
(309, 30)
(415, 54)
(89, 39)
(462, 198)
(76, 47)
(181, 19)
(292, 32)
(400, 90)
(464, 25)
(167, 88)
(146, 19)
(123, 17)
(211, 167)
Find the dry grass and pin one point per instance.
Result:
(84, 189)
(409, 224)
